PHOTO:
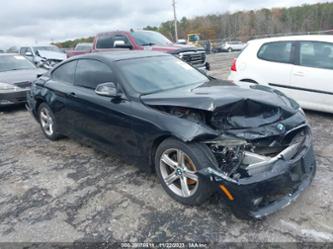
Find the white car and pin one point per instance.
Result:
(299, 66)
(232, 46)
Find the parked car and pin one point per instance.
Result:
(149, 40)
(16, 75)
(299, 66)
(198, 133)
(229, 46)
(43, 56)
(80, 48)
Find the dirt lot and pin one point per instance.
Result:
(63, 191)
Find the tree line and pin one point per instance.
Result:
(245, 25)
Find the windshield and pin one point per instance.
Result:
(14, 62)
(148, 38)
(47, 48)
(159, 73)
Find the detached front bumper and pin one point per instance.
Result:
(265, 193)
(13, 97)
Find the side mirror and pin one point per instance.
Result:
(108, 89)
(28, 54)
(121, 44)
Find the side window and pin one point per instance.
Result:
(276, 52)
(90, 73)
(65, 73)
(316, 54)
(107, 41)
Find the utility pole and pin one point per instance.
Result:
(175, 19)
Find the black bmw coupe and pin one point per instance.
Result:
(199, 134)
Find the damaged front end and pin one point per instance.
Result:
(262, 169)
(261, 154)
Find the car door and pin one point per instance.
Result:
(102, 120)
(274, 63)
(311, 80)
(61, 97)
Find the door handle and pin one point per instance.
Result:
(73, 94)
(300, 74)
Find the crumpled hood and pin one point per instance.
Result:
(17, 76)
(51, 55)
(217, 94)
(231, 106)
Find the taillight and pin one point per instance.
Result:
(233, 66)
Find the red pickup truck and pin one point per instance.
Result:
(149, 40)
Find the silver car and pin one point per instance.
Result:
(39, 55)
(230, 46)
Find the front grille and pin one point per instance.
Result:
(26, 84)
(194, 58)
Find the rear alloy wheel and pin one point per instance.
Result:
(176, 165)
(47, 122)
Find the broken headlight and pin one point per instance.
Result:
(229, 154)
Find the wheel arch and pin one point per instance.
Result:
(203, 148)
(39, 101)
(156, 142)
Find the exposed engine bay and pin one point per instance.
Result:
(240, 156)
(241, 159)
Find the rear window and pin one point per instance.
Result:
(65, 72)
(90, 73)
(107, 41)
(316, 54)
(276, 52)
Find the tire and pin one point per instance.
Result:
(173, 180)
(229, 50)
(48, 122)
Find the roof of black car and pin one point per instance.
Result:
(122, 55)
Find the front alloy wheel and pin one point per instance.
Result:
(177, 164)
(47, 122)
(178, 172)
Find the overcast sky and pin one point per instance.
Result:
(40, 21)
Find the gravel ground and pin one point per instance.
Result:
(64, 191)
